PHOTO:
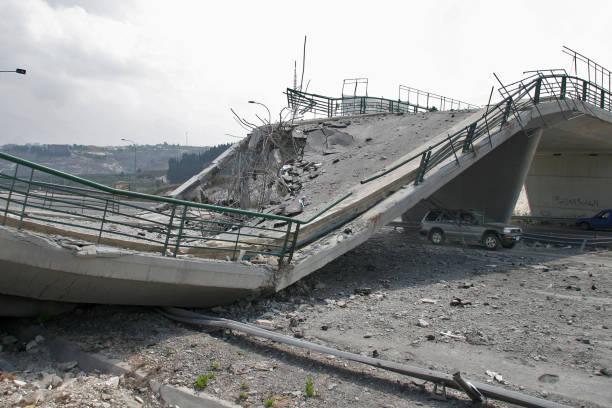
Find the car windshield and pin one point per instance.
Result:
(449, 216)
(433, 215)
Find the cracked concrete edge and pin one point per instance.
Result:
(63, 350)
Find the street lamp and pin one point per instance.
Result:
(17, 71)
(269, 114)
(133, 144)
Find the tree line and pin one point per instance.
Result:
(189, 164)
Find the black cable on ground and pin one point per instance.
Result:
(489, 391)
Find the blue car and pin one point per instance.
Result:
(601, 220)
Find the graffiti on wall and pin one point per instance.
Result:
(575, 202)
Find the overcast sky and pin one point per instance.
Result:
(148, 70)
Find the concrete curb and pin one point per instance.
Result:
(63, 350)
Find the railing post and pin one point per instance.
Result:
(563, 87)
(293, 243)
(603, 99)
(103, 219)
(425, 166)
(169, 229)
(235, 257)
(362, 107)
(25, 199)
(178, 237)
(420, 176)
(45, 199)
(453, 147)
(584, 90)
(282, 256)
(468, 138)
(8, 199)
(538, 87)
(506, 112)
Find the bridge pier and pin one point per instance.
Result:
(491, 185)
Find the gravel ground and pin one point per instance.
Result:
(537, 319)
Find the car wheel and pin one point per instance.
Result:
(584, 226)
(509, 245)
(436, 237)
(491, 241)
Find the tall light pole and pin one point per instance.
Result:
(269, 114)
(17, 71)
(133, 144)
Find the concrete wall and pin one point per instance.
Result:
(567, 185)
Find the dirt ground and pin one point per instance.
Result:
(536, 319)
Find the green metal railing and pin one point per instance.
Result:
(541, 86)
(431, 101)
(39, 198)
(303, 102)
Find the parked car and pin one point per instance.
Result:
(468, 226)
(601, 220)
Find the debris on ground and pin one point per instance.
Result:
(370, 301)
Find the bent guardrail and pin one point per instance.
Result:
(43, 199)
(518, 96)
(303, 102)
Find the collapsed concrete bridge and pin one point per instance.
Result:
(340, 179)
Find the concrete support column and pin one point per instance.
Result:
(525, 159)
(492, 184)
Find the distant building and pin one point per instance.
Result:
(122, 185)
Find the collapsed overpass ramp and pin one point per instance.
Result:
(71, 240)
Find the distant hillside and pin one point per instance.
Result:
(84, 160)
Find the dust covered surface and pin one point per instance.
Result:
(530, 319)
(299, 169)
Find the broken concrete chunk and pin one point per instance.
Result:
(459, 302)
(49, 380)
(67, 365)
(19, 383)
(337, 125)
(495, 376)
(422, 323)
(31, 346)
(294, 208)
(112, 382)
(363, 291)
(88, 251)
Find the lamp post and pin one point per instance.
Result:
(266, 108)
(17, 71)
(133, 144)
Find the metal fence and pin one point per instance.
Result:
(410, 100)
(431, 101)
(303, 102)
(525, 94)
(42, 199)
